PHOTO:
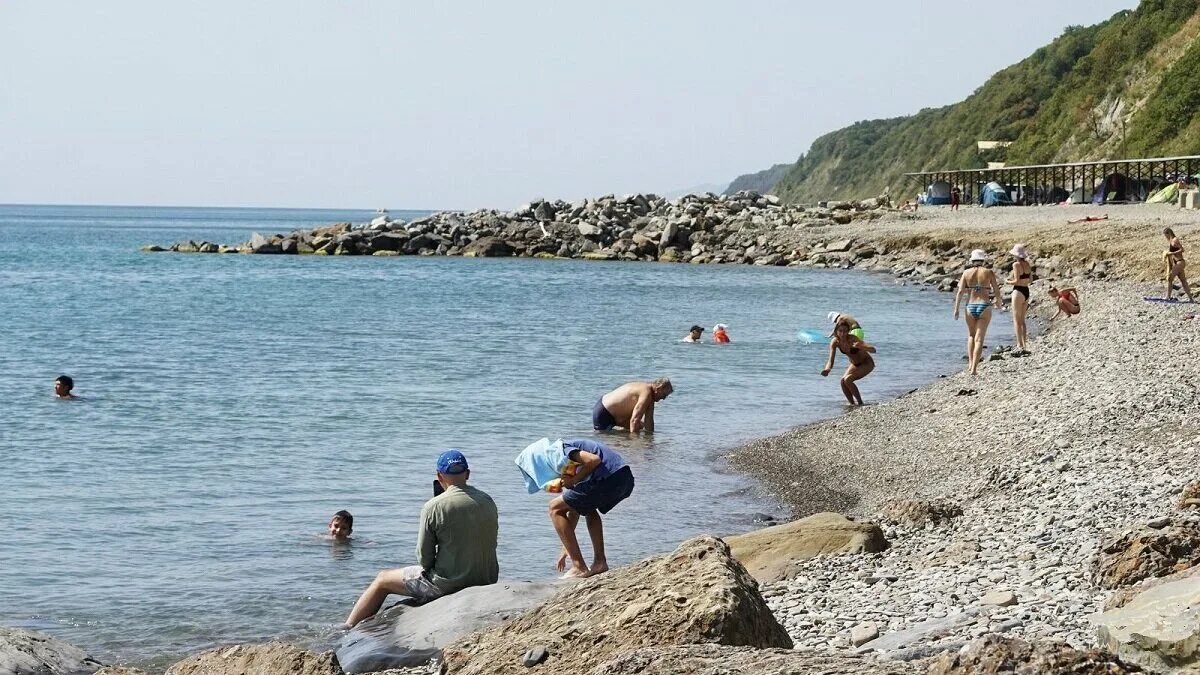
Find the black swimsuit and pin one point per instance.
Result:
(1022, 289)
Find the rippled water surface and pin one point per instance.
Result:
(232, 403)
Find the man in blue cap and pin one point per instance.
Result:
(456, 544)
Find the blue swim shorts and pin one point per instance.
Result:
(600, 495)
(602, 420)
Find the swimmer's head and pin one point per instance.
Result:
(63, 386)
(695, 332)
(720, 328)
(662, 388)
(341, 525)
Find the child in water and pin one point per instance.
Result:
(341, 525)
(720, 336)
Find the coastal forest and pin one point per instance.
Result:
(1121, 88)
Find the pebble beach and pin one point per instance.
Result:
(1045, 456)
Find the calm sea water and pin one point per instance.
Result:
(233, 403)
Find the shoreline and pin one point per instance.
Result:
(933, 445)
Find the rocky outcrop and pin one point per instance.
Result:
(25, 652)
(721, 660)
(1126, 595)
(1159, 629)
(918, 512)
(996, 654)
(770, 553)
(410, 636)
(697, 594)
(1190, 497)
(1145, 552)
(271, 658)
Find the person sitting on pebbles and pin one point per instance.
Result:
(1067, 300)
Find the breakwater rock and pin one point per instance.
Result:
(743, 228)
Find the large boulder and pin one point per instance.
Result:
(24, 652)
(1145, 552)
(697, 594)
(996, 654)
(712, 659)
(488, 247)
(271, 658)
(410, 636)
(1159, 629)
(1126, 595)
(771, 554)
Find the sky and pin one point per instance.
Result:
(409, 105)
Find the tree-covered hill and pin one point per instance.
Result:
(1122, 88)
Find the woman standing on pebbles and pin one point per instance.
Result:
(859, 354)
(981, 288)
(1175, 264)
(1022, 273)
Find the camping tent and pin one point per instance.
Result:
(1164, 196)
(1118, 187)
(994, 194)
(1079, 196)
(1057, 195)
(938, 193)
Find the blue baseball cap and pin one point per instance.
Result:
(451, 462)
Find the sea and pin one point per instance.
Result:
(230, 404)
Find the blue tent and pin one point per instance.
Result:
(994, 194)
(938, 193)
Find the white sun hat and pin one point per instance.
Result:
(979, 255)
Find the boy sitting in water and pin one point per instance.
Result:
(341, 525)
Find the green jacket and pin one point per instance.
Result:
(456, 545)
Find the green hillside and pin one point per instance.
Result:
(1122, 88)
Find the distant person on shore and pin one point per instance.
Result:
(63, 385)
(601, 481)
(979, 286)
(456, 544)
(630, 406)
(859, 355)
(341, 526)
(721, 334)
(1022, 274)
(1067, 301)
(955, 197)
(693, 335)
(1175, 265)
(850, 322)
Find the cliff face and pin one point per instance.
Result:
(1121, 88)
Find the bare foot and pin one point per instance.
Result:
(598, 568)
(575, 573)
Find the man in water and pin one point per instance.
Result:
(456, 544)
(694, 334)
(630, 406)
(341, 525)
(63, 386)
(601, 482)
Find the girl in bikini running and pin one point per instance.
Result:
(859, 354)
(976, 285)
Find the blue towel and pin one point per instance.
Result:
(541, 463)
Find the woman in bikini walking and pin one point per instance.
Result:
(859, 354)
(1022, 273)
(1175, 264)
(981, 288)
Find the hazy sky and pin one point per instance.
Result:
(443, 104)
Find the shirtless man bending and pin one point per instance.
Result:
(630, 405)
